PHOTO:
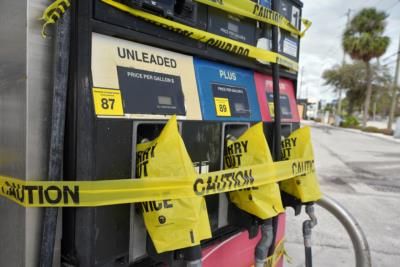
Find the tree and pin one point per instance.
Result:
(394, 91)
(363, 40)
(352, 78)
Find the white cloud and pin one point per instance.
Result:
(321, 46)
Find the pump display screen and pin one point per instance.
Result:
(147, 92)
(167, 4)
(285, 106)
(165, 100)
(234, 27)
(231, 101)
(290, 11)
(266, 3)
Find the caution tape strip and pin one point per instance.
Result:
(211, 39)
(53, 12)
(111, 192)
(249, 9)
(279, 251)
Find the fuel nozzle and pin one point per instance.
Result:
(144, 140)
(262, 248)
(230, 137)
(192, 256)
(307, 230)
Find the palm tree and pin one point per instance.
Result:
(363, 40)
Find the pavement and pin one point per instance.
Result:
(362, 172)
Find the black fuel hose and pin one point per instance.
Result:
(308, 252)
(307, 231)
(263, 246)
(60, 84)
(277, 115)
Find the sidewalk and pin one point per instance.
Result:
(378, 135)
(360, 171)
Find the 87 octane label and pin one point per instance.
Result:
(107, 102)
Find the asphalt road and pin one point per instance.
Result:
(362, 172)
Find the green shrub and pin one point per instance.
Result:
(350, 122)
(371, 129)
(317, 120)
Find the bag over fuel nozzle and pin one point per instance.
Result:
(262, 202)
(172, 224)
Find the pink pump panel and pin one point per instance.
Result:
(235, 251)
(288, 100)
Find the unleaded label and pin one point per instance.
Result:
(153, 82)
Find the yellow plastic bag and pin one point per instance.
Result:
(172, 224)
(249, 149)
(298, 145)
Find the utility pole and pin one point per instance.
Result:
(348, 13)
(394, 90)
(339, 104)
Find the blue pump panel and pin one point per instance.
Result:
(226, 93)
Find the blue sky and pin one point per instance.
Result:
(321, 47)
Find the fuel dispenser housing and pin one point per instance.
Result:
(231, 87)
(112, 56)
(290, 121)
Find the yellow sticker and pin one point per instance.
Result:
(271, 109)
(222, 107)
(107, 102)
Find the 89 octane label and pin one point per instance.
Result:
(107, 102)
(222, 107)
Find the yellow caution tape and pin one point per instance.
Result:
(111, 192)
(249, 9)
(280, 250)
(53, 12)
(210, 39)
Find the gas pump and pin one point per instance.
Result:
(228, 98)
(290, 121)
(135, 88)
(286, 44)
(143, 84)
(127, 77)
